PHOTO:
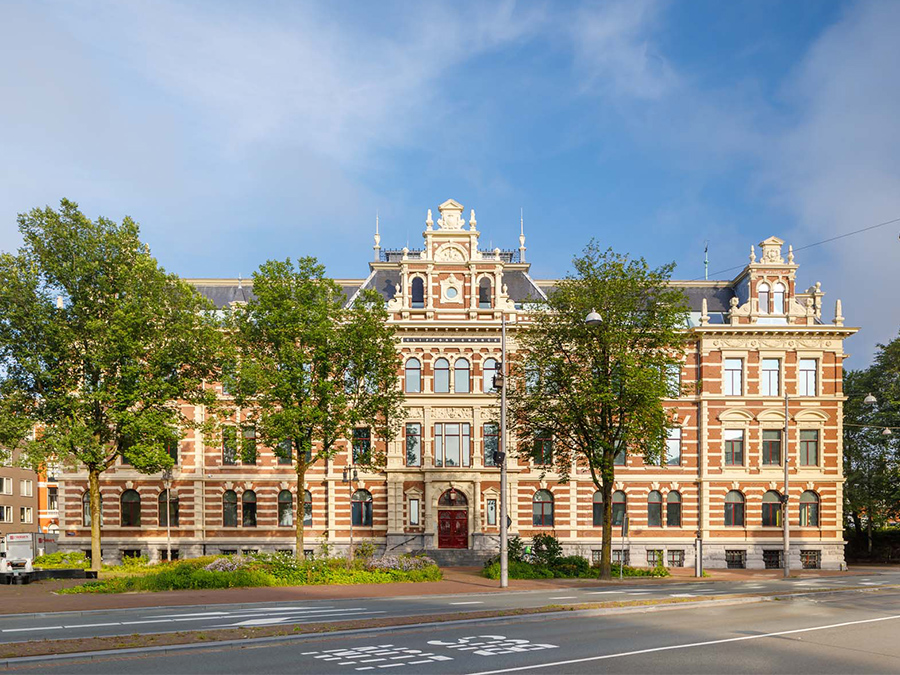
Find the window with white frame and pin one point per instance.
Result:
(809, 447)
(26, 487)
(413, 444)
(673, 447)
(733, 377)
(676, 558)
(6, 485)
(769, 376)
(734, 447)
(763, 292)
(489, 371)
(6, 514)
(806, 377)
(778, 298)
(414, 511)
(26, 514)
(491, 511)
(452, 444)
(673, 379)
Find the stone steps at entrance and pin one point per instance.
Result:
(459, 557)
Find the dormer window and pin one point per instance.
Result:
(778, 299)
(484, 294)
(763, 292)
(418, 293)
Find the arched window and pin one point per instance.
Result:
(673, 509)
(248, 508)
(130, 502)
(86, 508)
(763, 292)
(734, 509)
(484, 293)
(778, 299)
(413, 376)
(542, 509)
(809, 509)
(489, 370)
(307, 508)
(417, 288)
(461, 376)
(597, 507)
(285, 508)
(654, 509)
(442, 376)
(229, 509)
(771, 509)
(619, 507)
(453, 497)
(362, 508)
(166, 507)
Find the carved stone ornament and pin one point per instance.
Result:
(283, 485)
(129, 484)
(415, 413)
(452, 413)
(450, 253)
(451, 215)
(248, 485)
(451, 290)
(229, 485)
(771, 251)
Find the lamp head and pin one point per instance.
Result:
(593, 319)
(870, 400)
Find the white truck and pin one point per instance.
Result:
(18, 551)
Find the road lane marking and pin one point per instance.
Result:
(471, 602)
(743, 638)
(21, 630)
(605, 592)
(93, 625)
(563, 597)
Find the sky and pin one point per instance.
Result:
(240, 132)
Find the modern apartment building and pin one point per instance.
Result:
(757, 338)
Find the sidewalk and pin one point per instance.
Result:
(40, 597)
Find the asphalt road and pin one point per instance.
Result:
(18, 628)
(845, 633)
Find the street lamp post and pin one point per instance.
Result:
(167, 481)
(785, 514)
(349, 477)
(504, 533)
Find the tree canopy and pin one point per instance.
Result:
(592, 391)
(98, 348)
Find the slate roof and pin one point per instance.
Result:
(223, 294)
(717, 297)
(520, 287)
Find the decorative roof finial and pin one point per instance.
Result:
(752, 254)
(790, 254)
(377, 245)
(838, 314)
(428, 221)
(521, 235)
(704, 312)
(240, 282)
(472, 221)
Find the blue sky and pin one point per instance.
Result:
(237, 132)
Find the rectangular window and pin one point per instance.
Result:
(654, 557)
(620, 457)
(542, 452)
(491, 511)
(595, 556)
(53, 498)
(771, 447)
(131, 553)
(811, 560)
(228, 551)
(172, 451)
(413, 511)
(491, 442)
(673, 379)
(809, 447)
(734, 447)
(5, 485)
(452, 444)
(248, 445)
(772, 559)
(362, 445)
(733, 377)
(735, 560)
(26, 488)
(25, 514)
(673, 447)
(675, 558)
(229, 446)
(164, 554)
(620, 555)
(806, 377)
(6, 514)
(413, 444)
(769, 375)
(285, 452)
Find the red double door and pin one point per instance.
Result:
(453, 529)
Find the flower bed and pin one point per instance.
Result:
(262, 570)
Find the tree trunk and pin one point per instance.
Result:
(606, 546)
(857, 524)
(96, 518)
(869, 532)
(301, 505)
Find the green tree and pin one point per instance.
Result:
(582, 393)
(98, 348)
(310, 370)
(871, 457)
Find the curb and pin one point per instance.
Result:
(601, 611)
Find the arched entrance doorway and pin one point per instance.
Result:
(453, 520)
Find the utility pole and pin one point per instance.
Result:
(167, 481)
(504, 535)
(785, 519)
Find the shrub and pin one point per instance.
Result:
(545, 549)
(62, 560)
(133, 562)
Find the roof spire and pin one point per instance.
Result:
(521, 235)
(377, 246)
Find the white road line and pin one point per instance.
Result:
(688, 645)
(132, 623)
(185, 616)
(471, 602)
(604, 592)
(93, 625)
(21, 630)
(682, 595)
(563, 597)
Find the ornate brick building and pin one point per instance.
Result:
(757, 338)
